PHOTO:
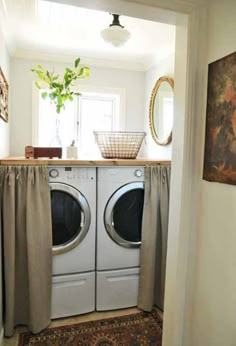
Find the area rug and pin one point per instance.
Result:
(130, 330)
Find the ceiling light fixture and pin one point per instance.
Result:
(116, 34)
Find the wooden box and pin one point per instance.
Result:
(36, 152)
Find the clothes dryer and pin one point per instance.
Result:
(73, 206)
(119, 220)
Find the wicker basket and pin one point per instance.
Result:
(118, 144)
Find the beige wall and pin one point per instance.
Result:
(214, 312)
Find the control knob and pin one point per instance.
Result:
(138, 173)
(53, 173)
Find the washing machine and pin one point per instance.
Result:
(73, 207)
(119, 218)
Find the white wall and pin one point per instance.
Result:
(163, 68)
(4, 150)
(21, 97)
(4, 127)
(214, 311)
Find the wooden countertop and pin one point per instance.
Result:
(82, 162)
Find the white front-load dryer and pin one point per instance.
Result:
(119, 220)
(73, 207)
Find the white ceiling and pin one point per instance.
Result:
(47, 30)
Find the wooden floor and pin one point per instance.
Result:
(13, 341)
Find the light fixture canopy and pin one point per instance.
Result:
(116, 34)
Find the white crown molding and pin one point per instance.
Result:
(90, 61)
(129, 65)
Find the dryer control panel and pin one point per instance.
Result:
(122, 174)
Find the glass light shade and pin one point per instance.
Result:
(115, 35)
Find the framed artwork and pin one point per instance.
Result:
(3, 97)
(220, 136)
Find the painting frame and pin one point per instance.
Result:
(220, 134)
(4, 94)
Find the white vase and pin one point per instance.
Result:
(56, 141)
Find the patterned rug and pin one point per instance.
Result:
(142, 328)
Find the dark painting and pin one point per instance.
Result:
(3, 97)
(220, 140)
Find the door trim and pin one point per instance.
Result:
(190, 18)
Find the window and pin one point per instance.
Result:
(55, 129)
(95, 110)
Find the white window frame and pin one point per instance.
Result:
(120, 119)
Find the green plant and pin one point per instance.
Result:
(60, 91)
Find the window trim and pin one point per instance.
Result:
(121, 92)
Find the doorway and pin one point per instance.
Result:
(189, 18)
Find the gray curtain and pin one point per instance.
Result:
(27, 244)
(154, 237)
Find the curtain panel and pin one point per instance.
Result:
(154, 237)
(27, 246)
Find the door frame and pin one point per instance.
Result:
(190, 18)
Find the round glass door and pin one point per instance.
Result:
(123, 215)
(70, 217)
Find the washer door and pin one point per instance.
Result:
(123, 215)
(70, 217)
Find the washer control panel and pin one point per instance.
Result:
(71, 173)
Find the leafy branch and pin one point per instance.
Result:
(59, 91)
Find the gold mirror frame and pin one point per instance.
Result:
(170, 81)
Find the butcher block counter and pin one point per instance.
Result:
(10, 161)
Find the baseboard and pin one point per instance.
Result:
(1, 336)
(160, 313)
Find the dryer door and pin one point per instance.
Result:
(70, 217)
(123, 215)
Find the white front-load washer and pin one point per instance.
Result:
(73, 207)
(119, 219)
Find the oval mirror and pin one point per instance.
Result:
(161, 111)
